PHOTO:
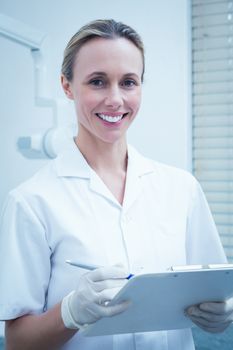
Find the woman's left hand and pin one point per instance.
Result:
(212, 317)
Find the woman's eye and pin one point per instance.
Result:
(129, 83)
(97, 82)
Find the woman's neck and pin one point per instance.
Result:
(108, 160)
(102, 156)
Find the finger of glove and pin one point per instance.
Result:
(195, 311)
(109, 272)
(107, 311)
(108, 284)
(219, 308)
(86, 293)
(106, 295)
(207, 329)
(210, 327)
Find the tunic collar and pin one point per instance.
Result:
(71, 163)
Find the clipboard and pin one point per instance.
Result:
(158, 300)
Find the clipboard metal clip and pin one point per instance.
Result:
(180, 268)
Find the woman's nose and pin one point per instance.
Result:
(114, 97)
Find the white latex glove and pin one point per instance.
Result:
(89, 302)
(212, 317)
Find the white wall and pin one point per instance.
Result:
(163, 128)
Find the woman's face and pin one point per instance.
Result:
(106, 87)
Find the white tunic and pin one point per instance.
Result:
(65, 211)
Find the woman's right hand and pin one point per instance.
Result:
(89, 302)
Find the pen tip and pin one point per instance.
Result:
(68, 261)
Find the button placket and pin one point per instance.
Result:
(125, 220)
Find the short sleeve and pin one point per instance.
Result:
(203, 244)
(24, 260)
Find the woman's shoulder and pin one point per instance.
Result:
(38, 183)
(161, 170)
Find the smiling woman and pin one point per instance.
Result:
(103, 203)
(106, 89)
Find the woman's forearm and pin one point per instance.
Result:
(32, 332)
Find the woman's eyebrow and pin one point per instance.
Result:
(131, 74)
(96, 73)
(99, 73)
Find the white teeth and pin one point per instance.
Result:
(109, 118)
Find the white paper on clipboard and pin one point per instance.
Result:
(159, 300)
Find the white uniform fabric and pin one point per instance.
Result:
(65, 211)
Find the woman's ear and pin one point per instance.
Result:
(66, 87)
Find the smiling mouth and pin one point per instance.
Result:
(110, 118)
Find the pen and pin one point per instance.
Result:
(90, 267)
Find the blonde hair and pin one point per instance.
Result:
(108, 29)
